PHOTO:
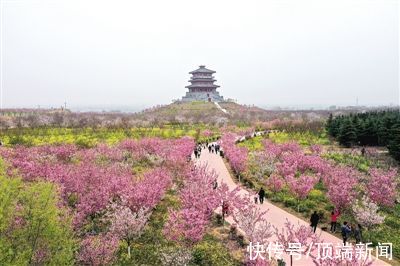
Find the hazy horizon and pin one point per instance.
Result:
(137, 54)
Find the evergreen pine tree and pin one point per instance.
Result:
(383, 132)
(347, 133)
(329, 125)
(362, 132)
(394, 142)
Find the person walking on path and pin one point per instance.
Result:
(195, 153)
(261, 195)
(334, 216)
(215, 184)
(358, 233)
(346, 230)
(363, 151)
(314, 221)
(225, 210)
(256, 198)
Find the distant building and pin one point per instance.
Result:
(202, 87)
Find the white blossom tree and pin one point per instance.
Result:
(125, 223)
(366, 213)
(250, 219)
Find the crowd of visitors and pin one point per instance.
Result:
(350, 230)
(347, 230)
(211, 147)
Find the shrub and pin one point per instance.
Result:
(248, 183)
(277, 197)
(85, 142)
(211, 253)
(281, 262)
(303, 208)
(309, 204)
(141, 254)
(392, 222)
(241, 241)
(289, 201)
(269, 194)
(233, 232)
(317, 195)
(329, 208)
(322, 215)
(176, 256)
(20, 140)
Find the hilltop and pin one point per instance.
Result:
(209, 113)
(202, 112)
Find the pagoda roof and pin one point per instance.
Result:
(201, 79)
(202, 69)
(202, 86)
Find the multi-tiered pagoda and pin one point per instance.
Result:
(202, 87)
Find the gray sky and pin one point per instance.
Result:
(135, 53)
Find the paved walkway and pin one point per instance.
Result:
(220, 108)
(276, 216)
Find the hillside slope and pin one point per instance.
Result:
(208, 112)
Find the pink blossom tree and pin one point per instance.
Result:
(296, 234)
(149, 190)
(316, 149)
(237, 156)
(275, 183)
(341, 183)
(300, 186)
(198, 201)
(186, 226)
(206, 133)
(229, 200)
(382, 186)
(98, 250)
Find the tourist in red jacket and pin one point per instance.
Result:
(334, 216)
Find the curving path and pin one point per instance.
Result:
(276, 216)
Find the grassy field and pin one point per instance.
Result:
(88, 137)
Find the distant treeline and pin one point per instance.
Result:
(377, 128)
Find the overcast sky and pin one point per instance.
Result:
(135, 53)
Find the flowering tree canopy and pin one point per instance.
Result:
(98, 250)
(382, 186)
(366, 213)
